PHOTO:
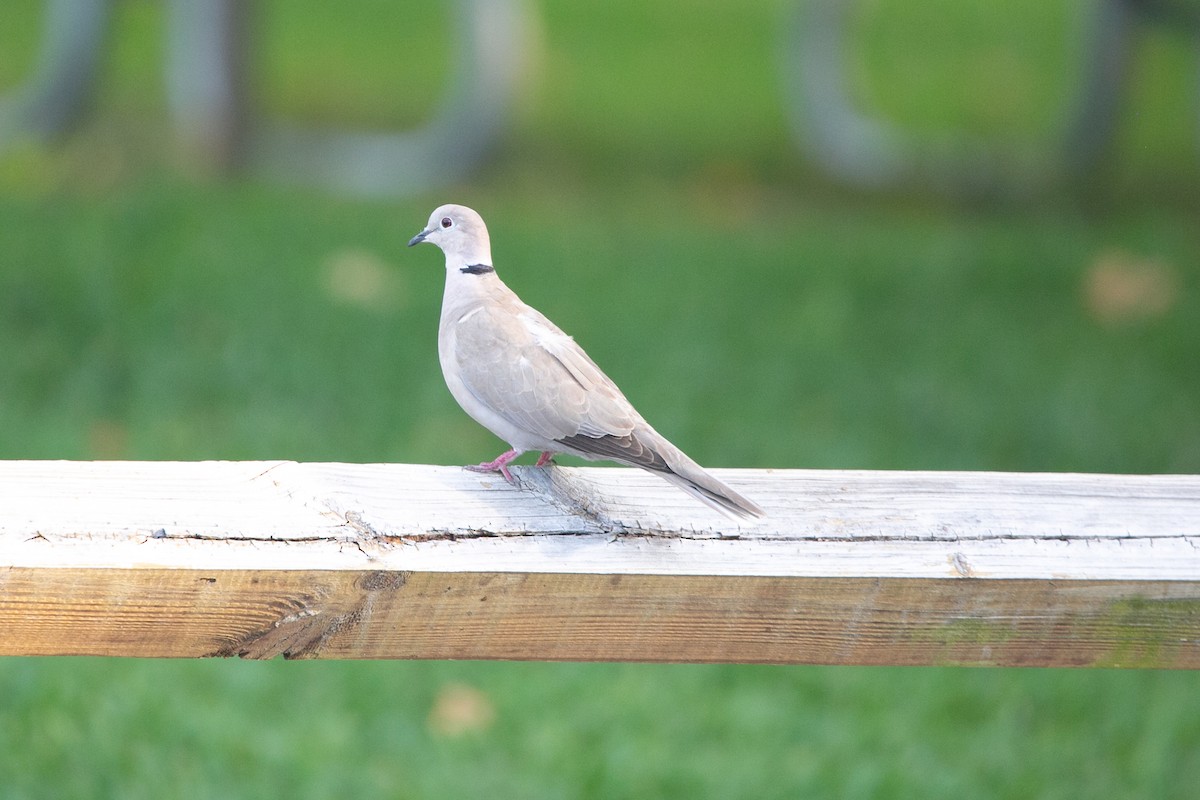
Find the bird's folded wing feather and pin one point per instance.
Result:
(528, 371)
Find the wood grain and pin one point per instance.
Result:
(259, 559)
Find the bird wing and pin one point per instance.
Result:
(524, 368)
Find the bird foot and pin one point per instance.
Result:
(545, 458)
(500, 464)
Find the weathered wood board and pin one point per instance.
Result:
(259, 559)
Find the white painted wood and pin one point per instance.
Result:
(286, 515)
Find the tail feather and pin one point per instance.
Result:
(714, 494)
(646, 448)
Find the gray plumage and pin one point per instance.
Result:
(517, 374)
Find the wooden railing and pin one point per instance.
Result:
(258, 559)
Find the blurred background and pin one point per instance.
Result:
(877, 234)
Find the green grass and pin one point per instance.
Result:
(650, 202)
(146, 729)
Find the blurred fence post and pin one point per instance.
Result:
(491, 38)
(54, 99)
(867, 151)
(206, 71)
(208, 77)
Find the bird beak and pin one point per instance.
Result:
(420, 237)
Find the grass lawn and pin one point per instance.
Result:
(649, 201)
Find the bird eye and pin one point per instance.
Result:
(447, 222)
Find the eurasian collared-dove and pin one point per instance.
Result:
(526, 381)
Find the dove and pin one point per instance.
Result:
(518, 375)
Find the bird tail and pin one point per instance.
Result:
(646, 448)
(691, 477)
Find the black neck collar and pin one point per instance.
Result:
(477, 269)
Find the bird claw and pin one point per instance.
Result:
(500, 464)
(488, 466)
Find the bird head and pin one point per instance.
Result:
(461, 234)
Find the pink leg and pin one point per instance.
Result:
(545, 458)
(499, 465)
